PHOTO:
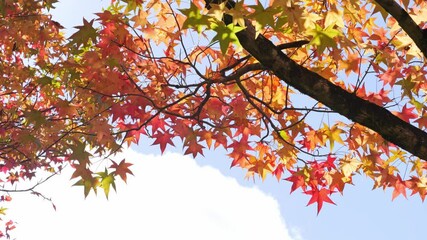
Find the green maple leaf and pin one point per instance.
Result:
(85, 33)
(49, 4)
(323, 38)
(88, 185)
(238, 13)
(264, 16)
(132, 5)
(45, 80)
(407, 86)
(107, 180)
(2, 8)
(35, 117)
(195, 19)
(226, 34)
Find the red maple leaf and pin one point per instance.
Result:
(406, 114)
(163, 139)
(194, 149)
(319, 196)
(278, 171)
(390, 76)
(122, 169)
(329, 163)
(297, 181)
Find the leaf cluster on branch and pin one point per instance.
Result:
(309, 92)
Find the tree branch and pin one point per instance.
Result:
(377, 118)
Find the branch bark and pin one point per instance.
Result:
(377, 118)
(418, 35)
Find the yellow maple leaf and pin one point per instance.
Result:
(349, 166)
(333, 134)
(334, 18)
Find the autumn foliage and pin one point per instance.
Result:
(281, 85)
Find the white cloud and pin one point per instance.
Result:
(170, 197)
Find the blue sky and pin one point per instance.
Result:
(205, 199)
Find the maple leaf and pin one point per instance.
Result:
(349, 166)
(122, 169)
(418, 185)
(194, 149)
(35, 117)
(390, 76)
(333, 134)
(195, 19)
(226, 35)
(263, 16)
(238, 13)
(422, 121)
(158, 123)
(323, 38)
(408, 86)
(336, 180)
(81, 171)
(335, 18)
(163, 139)
(399, 188)
(3, 210)
(207, 137)
(85, 33)
(239, 153)
(259, 166)
(297, 180)
(49, 4)
(330, 162)
(107, 180)
(319, 197)
(406, 114)
(80, 154)
(141, 19)
(88, 184)
(419, 166)
(352, 63)
(312, 139)
(132, 5)
(278, 171)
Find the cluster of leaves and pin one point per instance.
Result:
(46, 120)
(171, 71)
(213, 93)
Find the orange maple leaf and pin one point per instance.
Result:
(399, 188)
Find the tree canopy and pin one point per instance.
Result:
(311, 92)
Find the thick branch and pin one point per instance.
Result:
(361, 111)
(406, 23)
